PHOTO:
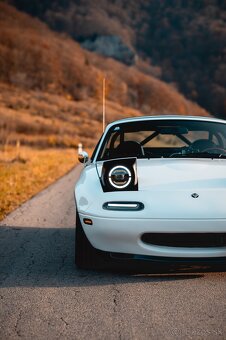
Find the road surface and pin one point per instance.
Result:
(44, 296)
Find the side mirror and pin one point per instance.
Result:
(83, 157)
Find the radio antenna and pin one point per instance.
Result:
(104, 109)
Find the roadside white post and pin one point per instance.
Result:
(79, 148)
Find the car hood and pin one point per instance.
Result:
(181, 174)
(184, 188)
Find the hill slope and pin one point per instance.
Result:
(51, 87)
(186, 39)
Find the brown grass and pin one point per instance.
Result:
(51, 88)
(26, 171)
(50, 120)
(34, 57)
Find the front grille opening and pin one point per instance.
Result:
(189, 240)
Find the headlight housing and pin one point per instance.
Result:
(119, 175)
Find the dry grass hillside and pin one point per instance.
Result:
(183, 41)
(51, 88)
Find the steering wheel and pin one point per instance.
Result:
(218, 150)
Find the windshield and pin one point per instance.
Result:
(165, 138)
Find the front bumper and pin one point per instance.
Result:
(123, 235)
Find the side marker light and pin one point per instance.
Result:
(88, 221)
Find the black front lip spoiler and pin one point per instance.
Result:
(156, 264)
(161, 259)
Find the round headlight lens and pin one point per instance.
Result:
(120, 177)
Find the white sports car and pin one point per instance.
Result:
(154, 189)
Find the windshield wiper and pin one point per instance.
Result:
(199, 155)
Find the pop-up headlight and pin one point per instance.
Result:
(119, 174)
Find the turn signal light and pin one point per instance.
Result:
(88, 221)
(123, 206)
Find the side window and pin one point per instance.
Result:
(224, 140)
(220, 140)
(116, 142)
(110, 144)
(215, 140)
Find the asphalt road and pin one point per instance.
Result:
(44, 296)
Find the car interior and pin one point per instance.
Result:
(174, 139)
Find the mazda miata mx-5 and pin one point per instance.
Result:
(154, 190)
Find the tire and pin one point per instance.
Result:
(86, 256)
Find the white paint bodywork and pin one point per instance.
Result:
(165, 189)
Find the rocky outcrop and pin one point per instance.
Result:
(110, 46)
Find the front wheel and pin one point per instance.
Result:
(86, 256)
